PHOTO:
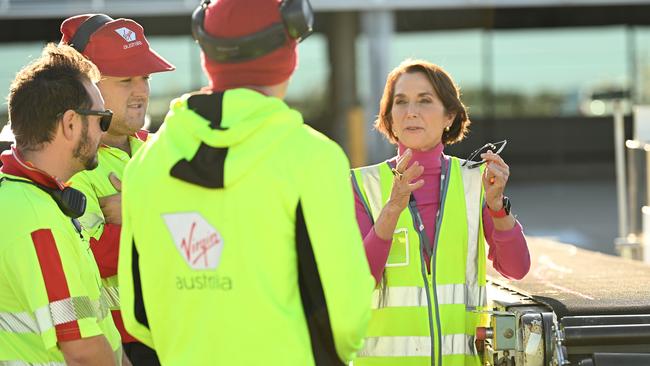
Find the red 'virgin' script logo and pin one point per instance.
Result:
(198, 242)
(195, 249)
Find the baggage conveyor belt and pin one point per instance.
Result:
(575, 307)
(576, 282)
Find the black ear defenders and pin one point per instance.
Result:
(70, 201)
(86, 29)
(297, 22)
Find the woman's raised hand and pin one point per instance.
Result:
(404, 181)
(495, 178)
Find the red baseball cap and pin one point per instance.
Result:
(118, 48)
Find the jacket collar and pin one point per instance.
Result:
(14, 164)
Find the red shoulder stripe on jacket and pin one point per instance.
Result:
(56, 284)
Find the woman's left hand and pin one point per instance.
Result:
(495, 178)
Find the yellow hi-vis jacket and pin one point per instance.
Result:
(239, 240)
(104, 237)
(50, 289)
(428, 318)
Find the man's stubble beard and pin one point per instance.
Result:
(83, 152)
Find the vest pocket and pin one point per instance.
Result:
(399, 249)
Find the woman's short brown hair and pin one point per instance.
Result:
(442, 84)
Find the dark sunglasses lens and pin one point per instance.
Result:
(105, 122)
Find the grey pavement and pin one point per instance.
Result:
(583, 213)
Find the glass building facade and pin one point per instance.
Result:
(502, 73)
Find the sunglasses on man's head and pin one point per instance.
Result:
(495, 147)
(106, 117)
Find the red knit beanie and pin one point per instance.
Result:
(236, 18)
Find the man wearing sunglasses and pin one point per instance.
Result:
(121, 52)
(52, 308)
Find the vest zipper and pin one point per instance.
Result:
(444, 185)
(419, 226)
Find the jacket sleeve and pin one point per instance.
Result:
(508, 249)
(48, 280)
(106, 249)
(104, 238)
(327, 203)
(377, 249)
(128, 271)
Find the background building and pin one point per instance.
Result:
(528, 70)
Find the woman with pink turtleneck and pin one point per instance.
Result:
(425, 218)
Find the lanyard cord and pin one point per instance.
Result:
(418, 218)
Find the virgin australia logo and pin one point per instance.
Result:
(198, 242)
(126, 33)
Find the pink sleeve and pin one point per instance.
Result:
(508, 249)
(377, 249)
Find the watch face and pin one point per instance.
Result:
(506, 205)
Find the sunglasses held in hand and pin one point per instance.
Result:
(495, 147)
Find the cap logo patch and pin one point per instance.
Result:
(126, 33)
(196, 240)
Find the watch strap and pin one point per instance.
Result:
(503, 212)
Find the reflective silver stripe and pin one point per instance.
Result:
(23, 363)
(458, 344)
(18, 323)
(452, 344)
(401, 296)
(482, 298)
(112, 297)
(372, 186)
(74, 308)
(472, 184)
(55, 313)
(416, 296)
(70, 309)
(451, 294)
(396, 347)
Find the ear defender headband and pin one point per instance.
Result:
(297, 22)
(81, 37)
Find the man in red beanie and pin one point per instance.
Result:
(253, 257)
(122, 54)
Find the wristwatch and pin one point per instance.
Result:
(504, 211)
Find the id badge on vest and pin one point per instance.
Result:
(399, 250)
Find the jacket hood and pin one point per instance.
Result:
(242, 124)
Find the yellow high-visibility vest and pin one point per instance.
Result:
(422, 318)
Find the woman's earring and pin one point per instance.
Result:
(447, 129)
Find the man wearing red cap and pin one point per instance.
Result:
(122, 54)
(239, 241)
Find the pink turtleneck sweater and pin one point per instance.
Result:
(508, 250)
